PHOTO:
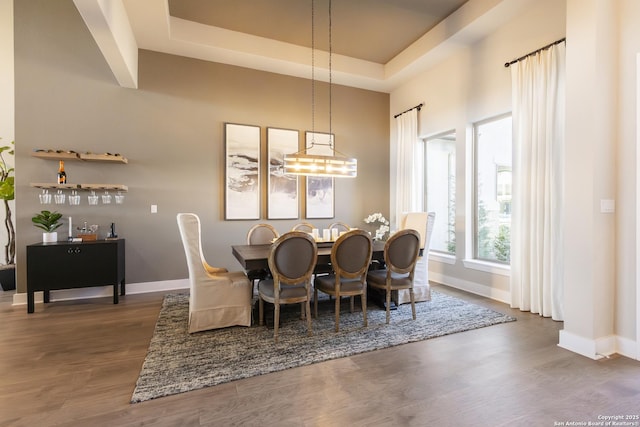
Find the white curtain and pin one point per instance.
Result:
(536, 234)
(409, 184)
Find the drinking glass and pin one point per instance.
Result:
(74, 198)
(92, 198)
(59, 197)
(106, 198)
(119, 198)
(45, 197)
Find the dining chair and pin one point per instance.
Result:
(307, 228)
(350, 259)
(341, 226)
(291, 261)
(303, 226)
(260, 234)
(217, 298)
(400, 256)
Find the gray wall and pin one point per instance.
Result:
(171, 130)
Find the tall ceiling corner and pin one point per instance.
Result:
(108, 23)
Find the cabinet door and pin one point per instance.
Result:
(93, 264)
(71, 266)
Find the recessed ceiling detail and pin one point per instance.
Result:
(377, 44)
(370, 30)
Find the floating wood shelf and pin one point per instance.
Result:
(118, 187)
(103, 158)
(72, 155)
(48, 185)
(87, 187)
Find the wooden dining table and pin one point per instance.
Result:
(256, 257)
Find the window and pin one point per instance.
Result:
(441, 190)
(493, 174)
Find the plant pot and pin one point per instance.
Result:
(8, 277)
(50, 237)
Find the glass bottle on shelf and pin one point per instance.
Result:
(62, 175)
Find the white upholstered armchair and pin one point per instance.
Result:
(217, 298)
(423, 223)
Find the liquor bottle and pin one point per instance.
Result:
(62, 175)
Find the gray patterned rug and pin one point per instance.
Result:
(178, 362)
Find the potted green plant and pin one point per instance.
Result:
(49, 222)
(7, 193)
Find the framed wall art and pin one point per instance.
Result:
(282, 190)
(242, 171)
(319, 200)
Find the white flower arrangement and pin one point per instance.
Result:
(381, 231)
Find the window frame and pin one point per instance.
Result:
(472, 259)
(435, 253)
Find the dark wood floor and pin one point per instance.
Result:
(76, 364)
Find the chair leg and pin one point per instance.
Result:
(363, 298)
(309, 330)
(315, 302)
(276, 320)
(260, 312)
(413, 303)
(351, 303)
(338, 313)
(388, 305)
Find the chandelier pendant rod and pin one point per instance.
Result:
(302, 162)
(330, 77)
(313, 72)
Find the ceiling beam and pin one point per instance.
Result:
(108, 23)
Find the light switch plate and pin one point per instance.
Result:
(607, 206)
(154, 208)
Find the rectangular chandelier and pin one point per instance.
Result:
(303, 163)
(317, 165)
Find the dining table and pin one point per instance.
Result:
(256, 257)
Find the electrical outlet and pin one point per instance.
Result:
(154, 208)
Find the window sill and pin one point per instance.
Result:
(488, 267)
(442, 257)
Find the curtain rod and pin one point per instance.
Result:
(507, 64)
(419, 106)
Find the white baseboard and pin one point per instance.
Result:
(472, 287)
(598, 348)
(627, 347)
(593, 349)
(587, 347)
(105, 291)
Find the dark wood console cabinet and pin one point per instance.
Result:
(67, 265)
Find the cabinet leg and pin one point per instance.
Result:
(30, 302)
(122, 291)
(45, 296)
(115, 293)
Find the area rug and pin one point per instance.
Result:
(177, 361)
